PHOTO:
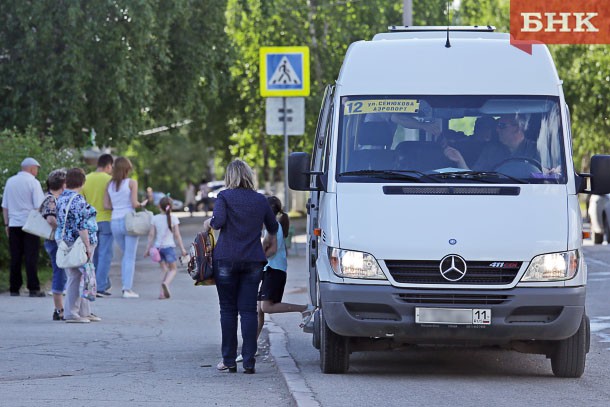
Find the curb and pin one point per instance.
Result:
(297, 386)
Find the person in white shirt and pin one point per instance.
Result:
(121, 196)
(22, 194)
(164, 229)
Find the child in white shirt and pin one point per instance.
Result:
(164, 229)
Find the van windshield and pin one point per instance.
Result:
(480, 139)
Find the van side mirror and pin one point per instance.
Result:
(600, 174)
(299, 171)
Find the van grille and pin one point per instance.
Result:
(428, 272)
(454, 299)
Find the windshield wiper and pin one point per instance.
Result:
(477, 175)
(393, 174)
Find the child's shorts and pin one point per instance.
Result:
(168, 254)
(272, 287)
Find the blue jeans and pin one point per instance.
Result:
(237, 286)
(58, 284)
(129, 246)
(103, 256)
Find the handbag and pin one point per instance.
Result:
(138, 223)
(70, 256)
(37, 225)
(88, 283)
(155, 255)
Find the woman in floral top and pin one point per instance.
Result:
(55, 186)
(80, 221)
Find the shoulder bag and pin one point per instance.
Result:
(138, 223)
(37, 225)
(70, 256)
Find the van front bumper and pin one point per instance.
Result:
(518, 314)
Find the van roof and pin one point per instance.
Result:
(416, 62)
(465, 31)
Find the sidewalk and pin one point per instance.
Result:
(145, 351)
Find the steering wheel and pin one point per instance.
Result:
(527, 160)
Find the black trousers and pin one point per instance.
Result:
(23, 244)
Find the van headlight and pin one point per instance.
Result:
(553, 267)
(351, 264)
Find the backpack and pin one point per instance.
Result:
(200, 264)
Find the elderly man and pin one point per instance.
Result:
(22, 193)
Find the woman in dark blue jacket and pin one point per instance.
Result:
(239, 257)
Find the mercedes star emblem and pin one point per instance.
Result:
(453, 267)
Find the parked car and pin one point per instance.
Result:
(177, 205)
(207, 202)
(599, 213)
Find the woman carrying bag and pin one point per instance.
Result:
(122, 197)
(56, 183)
(240, 214)
(76, 218)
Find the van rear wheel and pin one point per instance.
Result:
(569, 355)
(315, 338)
(334, 349)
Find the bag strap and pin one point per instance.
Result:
(63, 230)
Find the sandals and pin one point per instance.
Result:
(222, 367)
(165, 290)
(307, 315)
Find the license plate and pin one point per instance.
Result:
(453, 316)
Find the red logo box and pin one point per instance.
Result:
(559, 22)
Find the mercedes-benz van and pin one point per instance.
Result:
(444, 202)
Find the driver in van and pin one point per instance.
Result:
(512, 143)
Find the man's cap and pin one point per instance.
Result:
(29, 162)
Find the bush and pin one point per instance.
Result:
(14, 147)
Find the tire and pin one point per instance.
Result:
(315, 338)
(334, 349)
(598, 238)
(569, 356)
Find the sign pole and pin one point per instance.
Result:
(284, 124)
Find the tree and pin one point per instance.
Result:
(118, 66)
(328, 28)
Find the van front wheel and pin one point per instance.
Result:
(334, 349)
(569, 355)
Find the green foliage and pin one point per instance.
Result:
(14, 147)
(484, 12)
(584, 69)
(116, 66)
(164, 161)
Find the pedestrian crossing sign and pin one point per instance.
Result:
(284, 71)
